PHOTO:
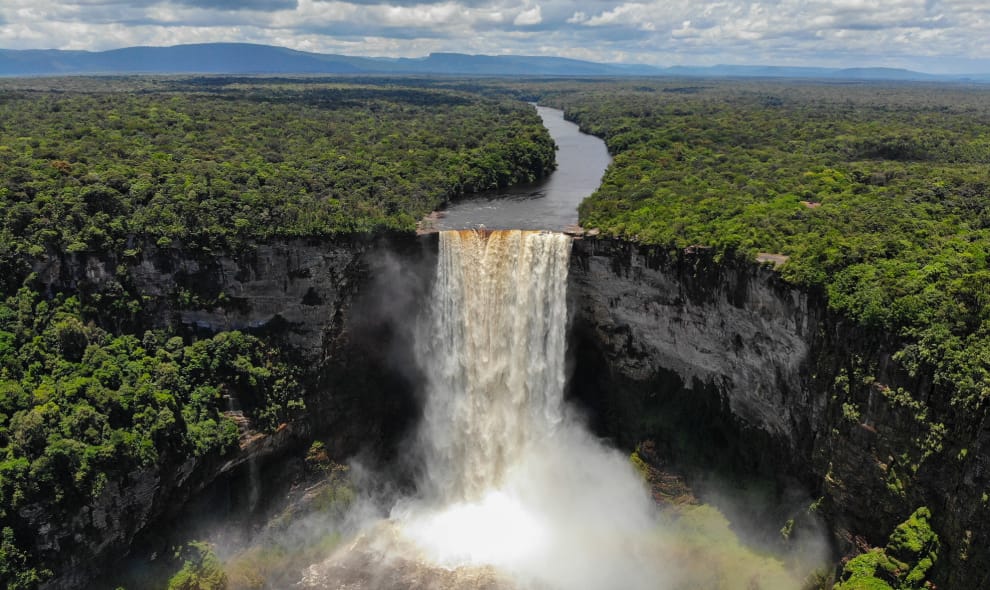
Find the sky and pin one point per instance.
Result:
(950, 36)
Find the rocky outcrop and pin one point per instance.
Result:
(319, 300)
(294, 287)
(724, 363)
(730, 326)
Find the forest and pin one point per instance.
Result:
(89, 394)
(877, 195)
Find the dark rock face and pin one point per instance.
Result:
(322, 301)
(748, 335)
(719, 361)
(291, 286)
(724, 363)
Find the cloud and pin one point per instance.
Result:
(229, 5)
(265, 5)
(528, 17)
(930, 35)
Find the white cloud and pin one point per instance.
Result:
(623, 14)
(529, 17)
(929, 35)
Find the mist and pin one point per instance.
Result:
(498, 482)
(511, 488)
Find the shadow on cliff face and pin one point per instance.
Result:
(275, 514)
(705, 465)
(383, 320)
(368, 387)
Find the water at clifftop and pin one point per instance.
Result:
(550, 204)
(513, 492)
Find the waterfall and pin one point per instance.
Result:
(493, 351)
(514, 493)
(510, 478)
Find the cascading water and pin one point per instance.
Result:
(514, 492)
(494, 356)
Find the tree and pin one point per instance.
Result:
(201, 569)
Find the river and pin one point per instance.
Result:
(549, 204)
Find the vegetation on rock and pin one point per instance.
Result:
(902, 565)
(82, 411)
(878, 195)
(201, 569)
(92, 400)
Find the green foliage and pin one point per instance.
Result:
(201, 569)
(317, 457)
(877, 195)
(859, 572)
(337, 494)
(709, 553)
(277, 564)
(851, 412)
(639, 465)
(215, 163)
(265, 387)
(15, 571)
(80, 407)
(903, 564)
(308, 529)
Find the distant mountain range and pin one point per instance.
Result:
(243, 58)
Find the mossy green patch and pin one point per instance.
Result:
(903, 564)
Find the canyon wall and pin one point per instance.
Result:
(294, 286)
(331, 305)
(725, 364)
(719, 361)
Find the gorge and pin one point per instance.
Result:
(512, 491)
(716, 360)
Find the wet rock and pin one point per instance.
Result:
(381, 559)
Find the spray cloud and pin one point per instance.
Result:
(513, 491)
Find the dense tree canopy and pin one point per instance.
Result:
(89, 398)
(879, 195)
(212, 163)
(81, 408)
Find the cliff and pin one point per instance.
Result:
(724, 363)
(320, 301)
(293, 284)
(719, 361)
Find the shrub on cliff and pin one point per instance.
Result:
(201, 569)
(903, 564)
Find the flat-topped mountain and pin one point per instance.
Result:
(246, 58)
